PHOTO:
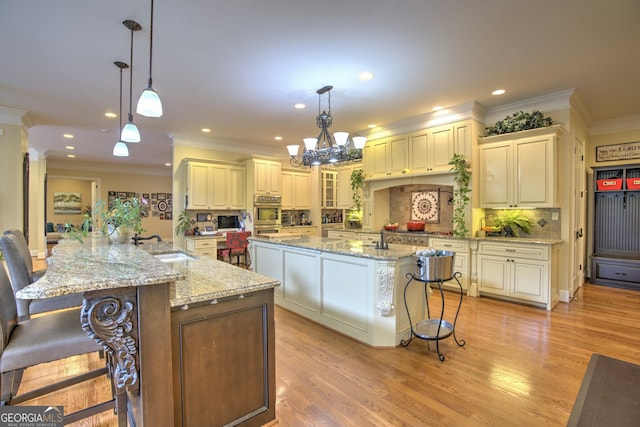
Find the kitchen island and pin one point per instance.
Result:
(346, 285)
(166, 323)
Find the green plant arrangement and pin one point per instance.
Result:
(357, 179)
(462, 178)
(513, 219)
(184, 223)
(519, 121)
(118, 222)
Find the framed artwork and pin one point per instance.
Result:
(425, 206)
(67, 203)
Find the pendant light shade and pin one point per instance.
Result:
(130, 132)
(120, 149)
(149, 104)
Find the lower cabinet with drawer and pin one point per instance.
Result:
(619, 272)
(525, 273)
(462, 260)
(203, 247)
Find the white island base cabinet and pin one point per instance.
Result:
(358, 296)
(526, 273)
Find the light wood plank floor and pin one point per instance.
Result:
(521, 366)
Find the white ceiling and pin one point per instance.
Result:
(238, 67)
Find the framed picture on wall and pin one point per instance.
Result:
(67, 203)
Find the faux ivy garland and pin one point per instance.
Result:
(517, 122)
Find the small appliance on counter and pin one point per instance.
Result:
(208, 231)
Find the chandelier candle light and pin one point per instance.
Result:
(130, 132)
(120, 149)
(327, 148)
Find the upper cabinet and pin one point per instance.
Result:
(519, 169)
(296, 190)
(422, 152)
(329, 189)
(386, 157)
(215, 186)
(345, 193)
(266, 176)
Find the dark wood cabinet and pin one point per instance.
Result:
(616, 251)
(224, 362)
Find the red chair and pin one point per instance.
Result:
(237, 243)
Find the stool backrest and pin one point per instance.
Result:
(23, 246)
(8, 311)
(238, 239)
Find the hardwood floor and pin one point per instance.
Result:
(520, 366)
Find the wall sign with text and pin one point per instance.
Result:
(626, 151)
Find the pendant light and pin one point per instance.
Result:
(130, 132)
(120, 149)
(149, 104)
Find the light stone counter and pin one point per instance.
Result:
(356, 248)
(97, 265)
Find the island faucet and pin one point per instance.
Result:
(382, 244)
(136, 238)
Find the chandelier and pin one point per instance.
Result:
(327, 148)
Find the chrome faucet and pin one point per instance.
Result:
(382, 244)
(136, 238)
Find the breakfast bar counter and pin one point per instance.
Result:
(164, 321)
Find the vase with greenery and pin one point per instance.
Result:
(122, 219)
(512, 220)
(462, 178)
(184, 223)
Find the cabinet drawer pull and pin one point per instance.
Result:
(510, 250)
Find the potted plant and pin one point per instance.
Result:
(357, 179)
(512, 219)
(184, 223)
(462, 178)
(122, 219)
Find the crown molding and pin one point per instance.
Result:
(557, 101)
(227, 146)
(620, 124)
(470, 110)
(110, 168)
(14, 116)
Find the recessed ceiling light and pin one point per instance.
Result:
(70, 147)
(68, 136)
(111, 115)
(366, 75)
(167, 164)
(278, 138)
(299, 106)
(205, 130)
(71, 156)
(437, 108)
(498, 92)
(371, 126)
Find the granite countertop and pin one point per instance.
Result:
(97, 265)
(527, 240)
(356, 248)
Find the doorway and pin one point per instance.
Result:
(579, 216)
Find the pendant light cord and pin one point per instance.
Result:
(151, 46)
(130, 81)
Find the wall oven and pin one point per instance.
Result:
(267, 211)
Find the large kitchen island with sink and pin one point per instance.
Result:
(347, 285)
(191, 338)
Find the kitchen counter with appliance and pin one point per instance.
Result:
(346, 285)
(157, 318)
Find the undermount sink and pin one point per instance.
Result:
(174, 257)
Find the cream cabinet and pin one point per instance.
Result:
(204, 247)
(296, 190)
(310, 230)
(345, 193)
(215, 186)
(386, 157)
(431, 150)
(462, 259)
(266, 176)
(519, 169)
(329, 189)
(342, 234)
(521, 272)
